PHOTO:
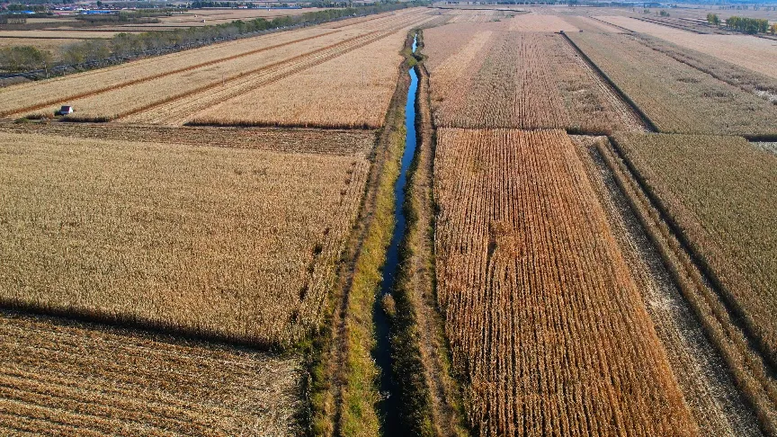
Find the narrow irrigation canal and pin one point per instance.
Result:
(388, 406)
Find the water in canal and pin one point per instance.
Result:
(388, 406)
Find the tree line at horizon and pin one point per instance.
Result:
(127, 46)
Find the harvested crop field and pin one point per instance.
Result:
(567, 349)
(541, 23)
(64, 378)
(200, 77)
(349, 91)
(716, 404)
(228, 243)
(749, 81)
(676, 97)
(720, 210)
(57, 34)
(475, 16)
(147, 95)
(39, 43)
(588, 24)
(63, 89)
(524, 80)
(745, 51)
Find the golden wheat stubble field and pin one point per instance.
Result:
(542, 313)
(229, 243)
(720, 209)
(487, 76)
(676, 97)
(60, 377)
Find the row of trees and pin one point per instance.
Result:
(748, 25)
(742, 24)
(125, 46)
(25, 58)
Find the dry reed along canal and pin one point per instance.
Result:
(382, 353)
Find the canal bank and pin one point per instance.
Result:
(388, 406)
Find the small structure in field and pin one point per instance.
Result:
(65, 110)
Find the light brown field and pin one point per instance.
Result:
(756, 54)
(588, 24)
(521, 80)
(218, 16)
(540, 23)
(174, 96)
(676, 97)
(65, 378)
(229, 243)
(188, 107)
(353, 90)
(717, 406)
(745, 360)
(542, 313)
(476, 16)
(127, 100)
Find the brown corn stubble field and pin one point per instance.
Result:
(542, 313)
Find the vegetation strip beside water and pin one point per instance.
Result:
(428, 396)
(343, 382)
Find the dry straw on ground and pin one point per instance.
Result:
(540, 23)
(125, 89)
(542, 313)
(60, 90)
(231, 243)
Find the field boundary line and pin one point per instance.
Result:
(157, 76)
(614, 25)
(615, 88)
